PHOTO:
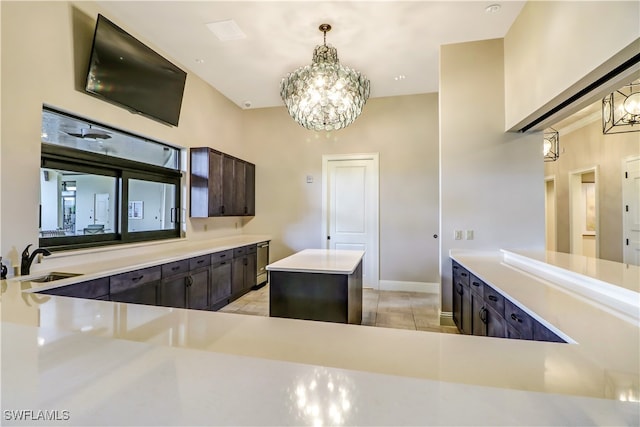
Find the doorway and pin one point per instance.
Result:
(631, 211)
(350, 208)
(584, 212)
(551, 236)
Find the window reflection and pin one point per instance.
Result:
(151, 206)
(74, 203)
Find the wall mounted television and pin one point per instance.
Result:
(124, 71)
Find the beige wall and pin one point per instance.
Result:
(490, 181)
(45, 49)
(48, 66)
(552, 45)
(582, 149)
(403, 130)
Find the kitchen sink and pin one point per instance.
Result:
(51, 277)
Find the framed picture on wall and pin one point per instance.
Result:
(136, 210)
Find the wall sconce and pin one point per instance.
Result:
(551, 147)
(621, 110)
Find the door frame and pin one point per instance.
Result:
(375, 158)
(551, 179)
(574, 181)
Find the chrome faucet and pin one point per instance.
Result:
(27, 260)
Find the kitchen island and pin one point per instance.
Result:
(109, 363)
(317, 284)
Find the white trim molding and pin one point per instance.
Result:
(396, 285)
(446, 318)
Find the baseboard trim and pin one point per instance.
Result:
(446, 318)
(397, 285)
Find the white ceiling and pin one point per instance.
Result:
(381, 39)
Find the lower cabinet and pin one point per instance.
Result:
(198, 289)
(91, 289)
(137, 287)
(243, 270)
(478, 309)
(206, 282)
(220, 283)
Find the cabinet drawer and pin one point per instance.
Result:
(240, 252)
(221, 256)
(132, 279)
(494, 299)
(174, 268)
(91, 289)
(252, 249)
(460, 274)
(199, 262)
(519, 320)
(477, 285)
(542, 333)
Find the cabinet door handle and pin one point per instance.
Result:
(463, 274)
(223, 255)
(455, 267)
(200, 261)
(493, 298)
(223, 262)
(460, 291)
(222, 209)
(483, 315)
(516, 318)
(137, 279)
(475, 283)
(176, 268)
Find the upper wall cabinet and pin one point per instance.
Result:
(221, 185)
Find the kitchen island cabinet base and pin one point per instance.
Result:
(316, 296)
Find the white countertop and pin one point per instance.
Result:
(115, 364)
(334, 261)
(106, 262)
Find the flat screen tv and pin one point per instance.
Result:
(126, 72)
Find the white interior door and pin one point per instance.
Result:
(350, 184)
(101, 209)
(631, 212)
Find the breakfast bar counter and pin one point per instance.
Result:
(72, 361)
(317, 284)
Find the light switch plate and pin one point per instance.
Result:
(469, 235)
(457, 234)
(309, 179)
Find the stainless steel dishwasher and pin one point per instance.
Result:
(263, 260)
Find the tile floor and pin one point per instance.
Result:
(386, 309)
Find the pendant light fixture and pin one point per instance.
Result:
(551, 145)
(621, 110)
(324, 95)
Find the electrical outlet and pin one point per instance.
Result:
(457, 234)
(469, 235)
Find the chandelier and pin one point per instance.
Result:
(324, 95)
(551, 145)
(621, 110)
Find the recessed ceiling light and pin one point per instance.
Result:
(494, 8)
(199, 61)
(399, 77)
(226, 30)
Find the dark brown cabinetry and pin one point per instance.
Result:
(138, 287)
(221, 185)
(205, 282)
(244, 270)
(479, 309)
(91, 289)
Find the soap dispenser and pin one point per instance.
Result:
(3, 270)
